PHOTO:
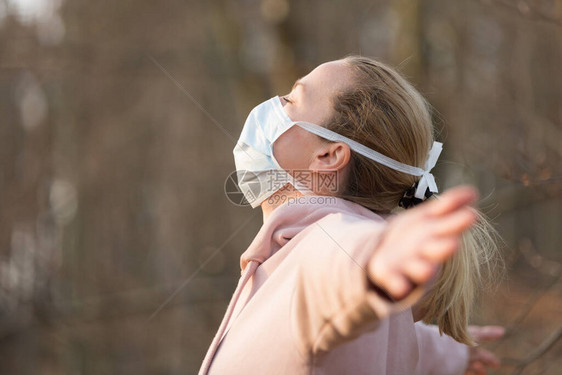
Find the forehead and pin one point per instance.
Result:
(328, 78)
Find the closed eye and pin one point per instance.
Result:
(286, 99)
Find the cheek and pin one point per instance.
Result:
(293, 149)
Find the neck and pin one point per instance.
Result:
(278, 198)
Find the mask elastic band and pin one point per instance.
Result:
(426, 181)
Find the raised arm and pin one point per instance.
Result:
(419, 240)
(347, 282)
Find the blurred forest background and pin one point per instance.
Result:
(118, 120)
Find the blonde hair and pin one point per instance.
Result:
(384, 112)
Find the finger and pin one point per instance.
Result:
(451, 200)
(391, 281)
(419, 270)
(439, 250)
(478, 368)
(397, 286)
(486, 333)
(487, 358)
(454, 223)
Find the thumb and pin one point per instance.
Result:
(486, 333)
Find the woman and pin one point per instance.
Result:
(334, 282)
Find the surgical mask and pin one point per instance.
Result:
(260, 175)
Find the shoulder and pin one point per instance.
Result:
(340, 233)
(346, 224)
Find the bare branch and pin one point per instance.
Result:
(544, 347)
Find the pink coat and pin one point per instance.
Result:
(304, 305)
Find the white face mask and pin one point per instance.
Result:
(260, 175)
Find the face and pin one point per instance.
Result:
(310, 101)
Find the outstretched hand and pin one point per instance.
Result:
(418, 240)
(480, 359)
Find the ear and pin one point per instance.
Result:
(331, 156)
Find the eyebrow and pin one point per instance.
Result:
(297, 82)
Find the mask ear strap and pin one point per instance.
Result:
(427, 179)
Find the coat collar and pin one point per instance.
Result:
(291, 217)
